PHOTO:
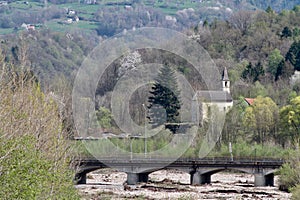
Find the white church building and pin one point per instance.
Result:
(220, 98)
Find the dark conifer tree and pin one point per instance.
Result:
(253, 73)
(286, 32)
(293, 55)
(164, 101)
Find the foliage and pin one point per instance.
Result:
(14, 15)
(289, 178)
(269, 10)
(275, 60)
(16, 182)
(246, 37)
(242, 149)
(128, 144)
(290, 120)
(234, 128)
(286, 32)
(34, 155)
(296, 192)
(47, 54)
(252, 73)
(293, 55)
(261, 118)
(164, 98)
(251, 46)
(108, 18)
(258, 90)
(104, 117)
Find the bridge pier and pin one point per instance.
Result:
(199, 179)
(261, 180)
(134, 178)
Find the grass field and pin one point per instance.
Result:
(55, 25)
(23, 6)
(4, 31)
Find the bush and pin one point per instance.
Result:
(34, 154)
(254, 151)
(289, 178)
(296, 193)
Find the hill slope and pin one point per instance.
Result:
(110, 17)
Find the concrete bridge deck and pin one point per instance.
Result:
(200, 169)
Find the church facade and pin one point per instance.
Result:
(221, 99)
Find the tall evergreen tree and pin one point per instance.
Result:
(286, 32)
(270, 10)
(164, 101)
(293, 55)
(253, 73)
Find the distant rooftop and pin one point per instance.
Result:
(250, 101)
(213, 96)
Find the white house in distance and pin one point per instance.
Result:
(295, 77)
(220, 98)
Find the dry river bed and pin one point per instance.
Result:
(171, 184)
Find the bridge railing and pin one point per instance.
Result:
(183, 160)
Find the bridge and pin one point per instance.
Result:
(200, 170)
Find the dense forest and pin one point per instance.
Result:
(259, 48)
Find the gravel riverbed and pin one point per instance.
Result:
(172, 184)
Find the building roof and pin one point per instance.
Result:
(213, 96)
(225, 75)
(250, 101)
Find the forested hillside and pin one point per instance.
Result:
(258, 42)
(277, 5)
(48, 54)
(259, 48)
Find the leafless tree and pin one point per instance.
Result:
(242, 20)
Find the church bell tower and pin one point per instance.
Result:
(225, 81)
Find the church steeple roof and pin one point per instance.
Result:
(225, 75)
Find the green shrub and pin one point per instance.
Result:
(34, 154)
(296, 193)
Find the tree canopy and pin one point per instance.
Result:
(290, 120)
(261, 117)
(293, 55)
(164, 100)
